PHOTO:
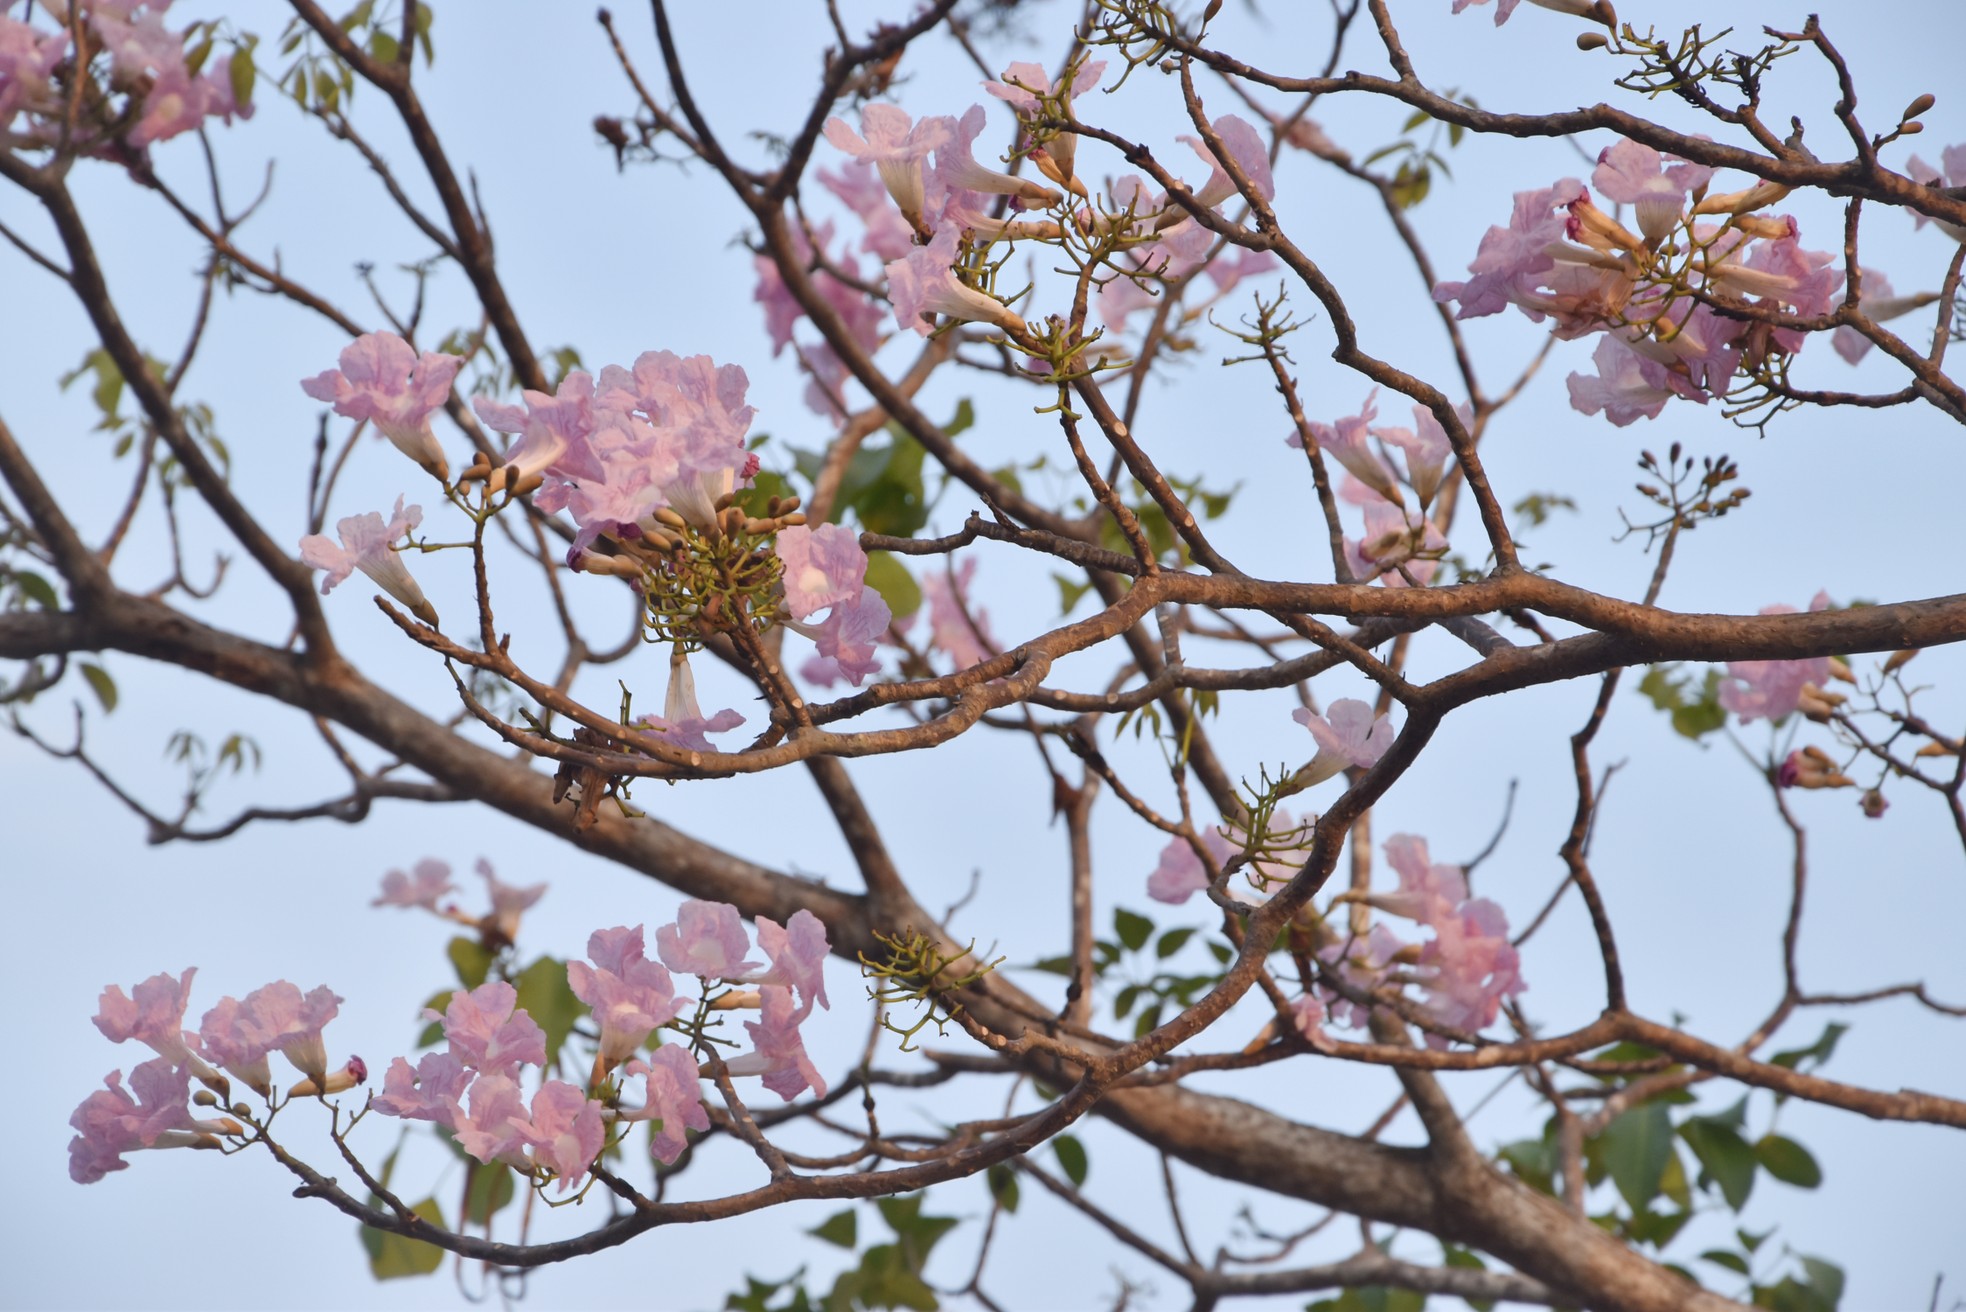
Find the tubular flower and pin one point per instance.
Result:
(365, 545)
(383, 380)
(924, 283)
(779, 1054)
(153, 1015)
(1470, 968)
(565, 1132)
(682, 721)
(959, 628)
(823, 567)
(489, 1032)
(1347, 443)
(1637, 175)
(1180, 874)
(1024, 84)
(1348, 736)
(429, 880)
(707, 940)
(509, 902)
(111, 1122)
(798, 951)
(630, 994)
(430, 1091)
(956, 168)
(895, 145)
(1426, 448)
(1251, 154)
(1771, 690)
(672, 1099)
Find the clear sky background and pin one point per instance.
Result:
(1690, 854)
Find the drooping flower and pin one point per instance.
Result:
(924, 282)
(958, 627)
(555, 432)
(1503, 8)
(428, 881)
(798, 951)
(492, 1124)
(846, 640)
(1426, 448)
(565, 1132)
(383, 380)
(489, 1032)
(111, 1122)
(1771, 690)
(956, 168)
(429, 1091)
(1950, 174)
(682, 722)
(365, 545)
(1180, 874)
(779, 1054)
(672, 1097)
(895, 145)
(1307, 1014)
(1624, 386)
(239, 1035)
(509, 902)
(1362, 965)
(153, 1015)
(1395, 543)
(823, 567)
(1509, 260)
(1347, 441)
(1250, 153)
(707, 940)
(1023, 85)
(700, 418)
(1429, 892)
(1637, 175)
(630, 994)
(1348, 736)
(1470, 967)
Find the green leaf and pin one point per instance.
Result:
(383, 46)
(963, 420)
(491, 1189)
(1721, 1257)
(1133, 929)
(841, 1228)
(37, 589)
(1788, 1161)
(1467, 1260)
(1172, 942)
(1826, 1278)
(1816, 1053)
(1071, 1158)
(1673, 1182)
(1414, 120)
(1724, 1155)
(1149, 1018)
(242, 75)
(889, 577)
(101, 685)
(1635, 1147)
(917, 1233)
(1069, 592)
(392, 1256)
(1003, 1186)
(543, 992)
(433, 1033)
(470, 958)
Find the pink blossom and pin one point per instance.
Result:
(1362, 964)
(1024, 83)
(1180, 874)
(153, 1016)
(1347, 442)
(697, 410)
(509, 902)
(1428, 893)
(365, 545)
(1626, 387)
(960, 629)
(384, 381)
(1307, 1015)
(1471, 967)
(1879, 303)
(924, 283)
(111, 1122)
(672, 1098)
(1952, 174)
(239, 1035)
(798, 951)
(1237, 263)
(28, 59)
(823, 567)
(1781, 271)
(1503, 8)
(1395, 538)
(859, 187)
(428, 1092)
(1637, 175)
(846, 640)
(779, 1053)
(556, 432)
(682, 722)
(707, 940)
(1771, 690)
(1348, 736)
(956, 168)
(1506, 265)
(1251, 154)
(430, 879)
(492, 1128)
(565, 1132)
(487, 1034)
(896, 145)
(630, 994)
(1426, 448)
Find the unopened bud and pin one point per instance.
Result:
(1817, 704)
(1873, 802)
(671, 518)
(739, 1000)
(1213, 8)
(1939, 748)
(1766, 226)
(726, 501)
(791, 521)
(757, 528)
(205, 1098)
(1840, 669)
(1592, 41)
(732, 520)
(1917, 107)
(1899, 659)
(1910, 129)
(1811, 767)
(240, 1110)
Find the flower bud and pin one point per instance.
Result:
(1817, 704)
(205, 1098)
(1917, 107)
(1840, 669)
(1873, 803)
(1811, 767)
(1899, 659)
(1592, 41)
(671, 518)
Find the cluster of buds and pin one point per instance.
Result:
(1812, 767)
(698, 581)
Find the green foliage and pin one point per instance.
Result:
(883, 486)
(758, 1294)
(393, 1256)
(1695, 712)
(471, 959)
(889, 577)
(1788, 1161)
(842, 1228)
(100, 684)
(1371, 1298)
(1820, 1289)
(1003, 1186)
(1132, 928)
(490, 1189)
(1071, 1158)
(887, 1276)
(1633, 1150)
(1725, 1158)
(543, 992)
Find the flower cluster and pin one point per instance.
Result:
(430, 879)
(1660, 295)
(236, 1038)
(1399, 545)
(157, 83)
(1463, 972)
